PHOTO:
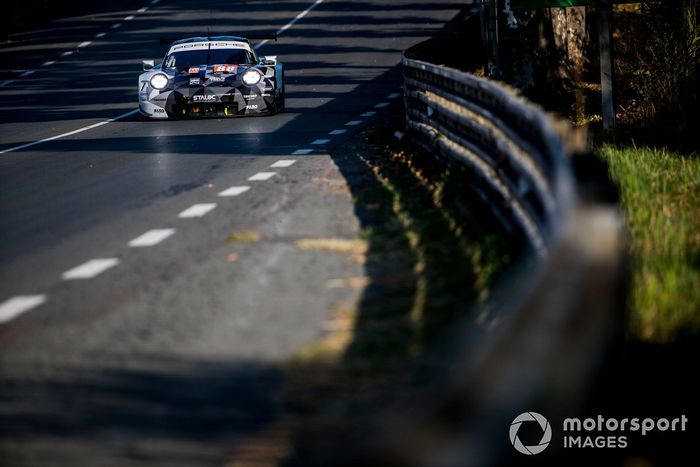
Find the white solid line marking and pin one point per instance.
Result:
(116, 25)
(337, 132)
(129, 18)
(321, 141)
(70, 133)
(393, 95)
(197, 210)
(292, 22)
(283, 163)
(151, 238)
(261, 176)
(100, 34)
(26, 73)
(234, 191)
(368, 114)
(49, 63)
(15, 306)
(90, 269)
(5, 83)
(302, 152)
(67, 53)
(353, 123)
(381, 105)
(142, 10)
(154, 2)
(84, 44)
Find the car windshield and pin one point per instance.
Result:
(209, 57)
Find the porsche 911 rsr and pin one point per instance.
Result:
(211, 76)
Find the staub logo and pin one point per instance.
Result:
(207, 98)
(546, 433)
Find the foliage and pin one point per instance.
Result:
(657, 49)
(660, 193)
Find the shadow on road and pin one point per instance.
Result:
(168, 412)
(432, 250)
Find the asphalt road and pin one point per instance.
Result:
(166, 353)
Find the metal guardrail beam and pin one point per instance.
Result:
(485, 125)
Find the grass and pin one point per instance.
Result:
(660, 193)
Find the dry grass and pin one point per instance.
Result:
(243, 236)
(355, 248)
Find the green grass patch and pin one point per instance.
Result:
(660, 193)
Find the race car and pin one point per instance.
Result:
(211, 77)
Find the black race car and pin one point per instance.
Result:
(211, 76)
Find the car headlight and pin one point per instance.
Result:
(159, 81)
(251, 77)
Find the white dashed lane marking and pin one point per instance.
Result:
(90, 269)
(151, 238)
(197, 210)
(321, 141)
(368, 114)
(262, 176)
(353, 123)
(302, 152)
(337, 132)
(283, 163)
(15, 306)
(291, 23)
(381, 105)
(154, 2)
(84, 44)
(234, 191)
(393, 95)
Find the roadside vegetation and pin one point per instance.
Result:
(653, 153)
(657, 50)
(660, 194)
(654, 158)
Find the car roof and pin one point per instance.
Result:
(210, 39)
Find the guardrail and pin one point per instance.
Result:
(508, 144)
(553, 318)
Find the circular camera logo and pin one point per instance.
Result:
(546, 433)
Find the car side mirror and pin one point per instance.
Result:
(148, 64)
(266, 61)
